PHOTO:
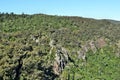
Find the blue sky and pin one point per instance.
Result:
(98, 9)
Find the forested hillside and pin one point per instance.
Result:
(45, 47)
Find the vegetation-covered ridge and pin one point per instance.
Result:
(45, 47)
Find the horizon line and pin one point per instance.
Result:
(61, 15)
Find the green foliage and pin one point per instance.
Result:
(103, 65)
(24, 47)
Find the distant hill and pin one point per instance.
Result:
(47, 47)
(114, 22)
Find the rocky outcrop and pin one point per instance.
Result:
(100, 43)
(61, 59)
(91, 45)
(62, 55)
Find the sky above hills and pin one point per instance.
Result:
(99, 9)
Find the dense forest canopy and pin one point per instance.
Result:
(45, 47)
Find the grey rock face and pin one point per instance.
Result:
(91, 45)
(61, 59)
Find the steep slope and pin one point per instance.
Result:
(46, 47)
